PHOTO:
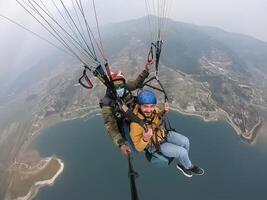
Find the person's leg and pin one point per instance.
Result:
(178, 152)
(178, 139)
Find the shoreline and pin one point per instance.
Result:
(248, 138)
(46, 124)
(192, 114)
(52, 180)
(39, 184)
(220, 115)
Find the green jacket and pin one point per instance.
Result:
(110, 120)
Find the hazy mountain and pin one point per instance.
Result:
(206, 71)
(185, 44)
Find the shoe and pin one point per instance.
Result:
(197, 170)
(186, 172)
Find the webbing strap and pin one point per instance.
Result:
(89, 83)
(157, 46)
(158, 52)
(161, 89)
(133, 118)
(150, 55)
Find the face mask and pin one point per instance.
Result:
(120, 92)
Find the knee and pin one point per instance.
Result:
(186, 143)
(183, 153)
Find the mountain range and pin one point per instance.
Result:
(205, 70)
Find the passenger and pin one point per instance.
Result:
(171, 144)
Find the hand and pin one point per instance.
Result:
(166, 107)
(148, 65)
(147, 135)
(125, 150)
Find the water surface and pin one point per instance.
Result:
(94, 168)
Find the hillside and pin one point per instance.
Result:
(206, 71)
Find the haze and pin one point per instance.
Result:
(242, 16)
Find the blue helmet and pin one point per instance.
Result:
(146, 97)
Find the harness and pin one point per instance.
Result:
(153, 154)
(156, 157)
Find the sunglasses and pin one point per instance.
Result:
(118, 86)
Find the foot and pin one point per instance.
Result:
(186, 172)
(197, 170)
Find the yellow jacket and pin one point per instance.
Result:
(136, 131)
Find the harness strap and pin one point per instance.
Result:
(158, 52)
(161, 89)
(157, 45)
(88, 81)
(132, 117)
(150, 55)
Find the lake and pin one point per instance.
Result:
(95, 169)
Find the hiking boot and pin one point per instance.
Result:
(197, 170)
(186, 172)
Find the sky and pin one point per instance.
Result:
(241, 16)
